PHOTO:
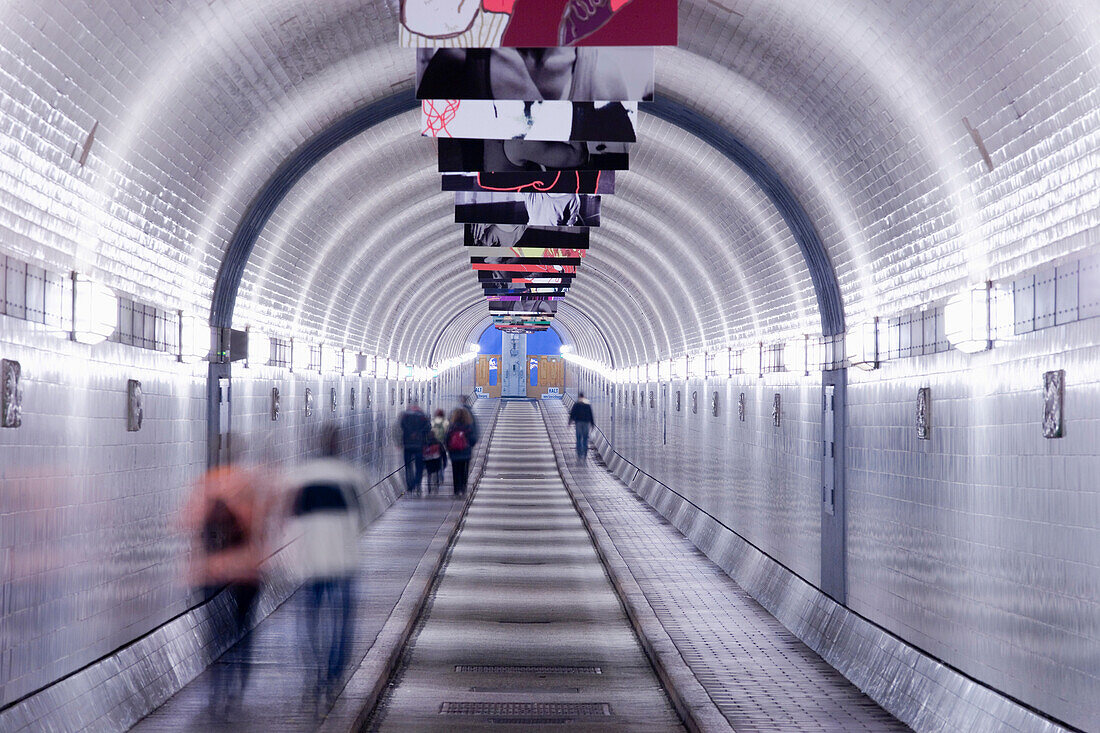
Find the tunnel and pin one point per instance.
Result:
(835, 329)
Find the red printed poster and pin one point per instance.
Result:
(537, 23)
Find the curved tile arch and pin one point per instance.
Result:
(824, 277)
(272, 193)
(295, 168)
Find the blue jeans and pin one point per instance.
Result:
(329, 628)
(583, 429)
(414, 468)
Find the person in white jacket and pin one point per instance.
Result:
(324, 522)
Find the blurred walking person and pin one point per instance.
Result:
(325, 519)
(414, 434)
(435, 456)
(581, 416)
(226, 516)
(462, 436)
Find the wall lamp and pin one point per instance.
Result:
(95, 311)
(195, 338)
(966, 319)
(862, 345)
(259, 349)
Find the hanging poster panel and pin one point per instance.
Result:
(513, 120)
(526, 268)
(526, 293)
(537, 23)
(510, 253)
(547, 238)
(551, 160)
(602, 182)
(533, 209)
(623, 74)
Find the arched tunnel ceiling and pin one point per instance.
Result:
(858, 106)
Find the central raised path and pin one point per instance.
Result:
(523, 627)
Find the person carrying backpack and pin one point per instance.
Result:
(435, 455)
(461, 438)
(415, 429)
(226, 515)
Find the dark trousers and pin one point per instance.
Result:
(461, 472)
(328, 629)
(229, 673)
(414, 468)
(583, 428)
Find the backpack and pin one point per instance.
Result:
(221, 529)
(433, 449)
(457, 442)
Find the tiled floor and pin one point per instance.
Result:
(524, 628)
(758, 673)
(389, 551)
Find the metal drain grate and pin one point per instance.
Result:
(526, 709)
(525, 620)
(526, 475)
(516, 669)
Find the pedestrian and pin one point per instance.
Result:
(414, 434)
(435, 456)
(325, 518)
(581, 416)
(464, 401)
(226, 515)
(462, 436)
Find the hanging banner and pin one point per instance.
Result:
(504, 235)
(539, 253)
(534, 209)
(602, 182)
(514, 120)
(623, 74)
(537, 23)
(549, 159)
(543, 269)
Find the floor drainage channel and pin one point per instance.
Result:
(513, 710)
(519, 669)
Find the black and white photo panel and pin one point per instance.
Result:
(513, 120)
(458, 155)
(534, 209)
(548, 238)
(595, 182)
(622, 74)
(525, 306)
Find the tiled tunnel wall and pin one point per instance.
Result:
(977, 546)
(91, 553)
